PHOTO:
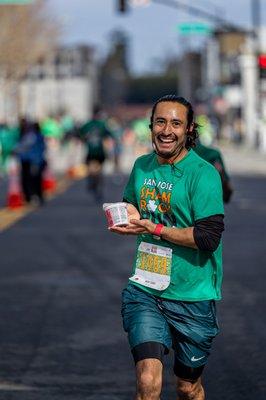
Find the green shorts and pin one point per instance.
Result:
(187, 327)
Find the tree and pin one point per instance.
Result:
(115, 70)
(148, 88)
(27, 34)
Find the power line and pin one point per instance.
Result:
(199, 12)
(210, 3)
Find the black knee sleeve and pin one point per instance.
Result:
(187, 373)
(149, 350)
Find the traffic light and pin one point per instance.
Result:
(122, 6)
(262, 65)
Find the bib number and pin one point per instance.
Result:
(153, 266)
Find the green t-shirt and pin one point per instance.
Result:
(176, 196)
(94, 132)
(211, 155)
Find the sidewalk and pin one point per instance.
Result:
(240, 160)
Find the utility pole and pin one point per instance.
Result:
(255, 15)
(256, 23)
(250, 79)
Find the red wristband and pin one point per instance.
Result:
(158, 229)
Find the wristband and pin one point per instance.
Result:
(158, 229)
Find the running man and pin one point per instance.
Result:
(175, 208)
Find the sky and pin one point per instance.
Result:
(152, 29)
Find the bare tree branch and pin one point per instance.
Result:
(27, 33)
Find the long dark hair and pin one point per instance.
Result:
(191, 136)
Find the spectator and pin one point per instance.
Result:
(31, 152)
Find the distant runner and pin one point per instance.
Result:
(94, 132)
(214, 157)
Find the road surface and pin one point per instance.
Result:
(61, 276)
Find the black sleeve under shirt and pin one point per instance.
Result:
(208, 232)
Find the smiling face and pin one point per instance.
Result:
(169, 130)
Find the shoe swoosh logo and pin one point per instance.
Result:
(196, 359)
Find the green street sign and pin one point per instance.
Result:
(15, 2)
(194, 28)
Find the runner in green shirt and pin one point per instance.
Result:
(214, 156)
(93, 133)
(175, 208)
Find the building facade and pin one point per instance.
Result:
(64, 82)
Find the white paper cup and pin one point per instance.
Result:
(116, 214)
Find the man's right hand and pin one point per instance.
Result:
(130, 229)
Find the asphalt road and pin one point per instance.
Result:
(60, 281)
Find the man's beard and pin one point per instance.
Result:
(174, 153)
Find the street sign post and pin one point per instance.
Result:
(194, 28)
(15, 2)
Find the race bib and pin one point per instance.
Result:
(153, 266)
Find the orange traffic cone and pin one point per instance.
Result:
(15, 197)
(71, 172)
(49, 183)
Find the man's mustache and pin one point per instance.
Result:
(167, 136)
